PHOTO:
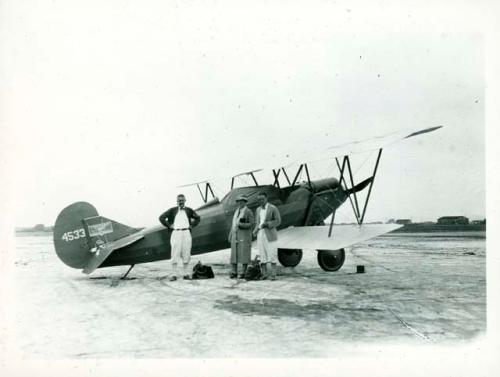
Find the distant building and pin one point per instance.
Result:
(403, 221)
(479, 222)
(391, 221)
(460, 220)
(39, 228)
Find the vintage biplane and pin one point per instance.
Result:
(85, 240)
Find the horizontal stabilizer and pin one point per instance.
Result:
(105, 250)
(316, 237)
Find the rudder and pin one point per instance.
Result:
(79, 229)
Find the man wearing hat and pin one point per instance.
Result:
(240, 236)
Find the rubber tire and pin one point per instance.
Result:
(331, 260)
(289, 257)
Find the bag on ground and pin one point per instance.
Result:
(202, 271)
(254, 271)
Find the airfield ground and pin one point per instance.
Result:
(417, 290)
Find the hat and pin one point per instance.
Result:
(241, 197)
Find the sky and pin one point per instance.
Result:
(117, 103)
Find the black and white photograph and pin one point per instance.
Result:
(229, 188)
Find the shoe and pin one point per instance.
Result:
(232, 276)
(186, 277)
(272, 277)
(173, 278)
(241, 276)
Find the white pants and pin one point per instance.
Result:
(268, 250)
(180, 245)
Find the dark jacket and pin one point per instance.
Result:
(167, 218)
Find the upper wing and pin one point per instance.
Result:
(105, 250)
(316, 237)
(375, 143)
(305, 154)
(309, 151)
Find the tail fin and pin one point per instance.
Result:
(79, 228)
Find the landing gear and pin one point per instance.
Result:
(331, 260)
(289, 257)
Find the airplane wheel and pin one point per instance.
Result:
(331, 260)
(289, 257)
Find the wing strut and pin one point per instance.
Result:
(371, 184)
(302, 166)
(286, 176)
(343, 182)
(276, 174)
(250, 173)
(208, 188)
(331, 224)
(360, 216)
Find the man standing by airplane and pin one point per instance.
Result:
(240, 236)
(180, 220)
(267, 218)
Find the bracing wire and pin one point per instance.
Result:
(364, 162)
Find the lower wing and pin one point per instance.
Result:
(316, 237)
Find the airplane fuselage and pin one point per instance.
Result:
(299, 205)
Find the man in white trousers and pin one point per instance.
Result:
(267, 219)
(180, 220)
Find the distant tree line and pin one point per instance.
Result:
(36, 228)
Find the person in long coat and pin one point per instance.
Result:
(240, 236)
